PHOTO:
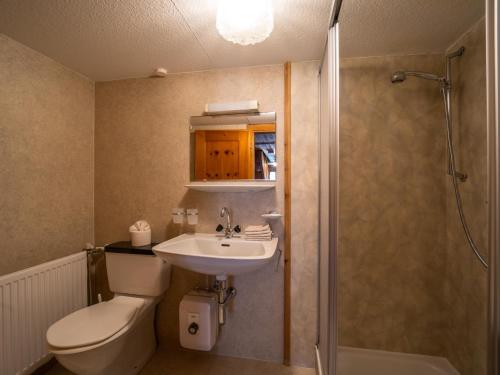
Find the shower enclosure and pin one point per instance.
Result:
(445, 84)
(409, 229)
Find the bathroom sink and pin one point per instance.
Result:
(213, 255)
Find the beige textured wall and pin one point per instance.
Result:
(46, 158)
(304, 240)
(142, 164)
(466, 288)
(47, 145)
(392, 206)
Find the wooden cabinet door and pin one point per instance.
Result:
(221, 155)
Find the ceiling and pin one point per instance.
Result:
(111, 39)
(393, 27)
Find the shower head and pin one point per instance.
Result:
(401, 76)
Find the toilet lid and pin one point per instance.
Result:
(93, 324)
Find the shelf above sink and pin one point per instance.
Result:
(231, 186)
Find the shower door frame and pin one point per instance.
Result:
(326, 348)
(326, 345)
(493, 97)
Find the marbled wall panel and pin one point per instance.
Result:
(392, 206)
(304, 241)
(466, 281)
(46, 158)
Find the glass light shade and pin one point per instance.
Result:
(245, 21)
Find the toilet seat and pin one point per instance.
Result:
(94, 324)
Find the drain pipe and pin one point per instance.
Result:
(224, 295)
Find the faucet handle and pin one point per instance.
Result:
(237, 229)
(219, 228)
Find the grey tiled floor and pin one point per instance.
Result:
(183, 362)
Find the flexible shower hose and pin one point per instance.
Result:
(445, 90)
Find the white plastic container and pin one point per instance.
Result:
(192, 216)
(198, 321)
(178, 215)
(140, 238)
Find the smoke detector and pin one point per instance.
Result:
(160, 72)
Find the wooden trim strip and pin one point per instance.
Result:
(288, 212)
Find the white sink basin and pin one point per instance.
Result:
(213, 255)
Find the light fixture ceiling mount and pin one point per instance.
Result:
(245, 22)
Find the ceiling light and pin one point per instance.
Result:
(245, 21)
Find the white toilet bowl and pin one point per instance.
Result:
(115, 337)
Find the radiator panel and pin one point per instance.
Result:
(30, 301)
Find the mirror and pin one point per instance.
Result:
(233, 152)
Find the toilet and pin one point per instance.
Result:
(117, 336)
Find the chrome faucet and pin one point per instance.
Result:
(228, 229)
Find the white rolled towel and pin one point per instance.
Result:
(140, 226)
(140, 233)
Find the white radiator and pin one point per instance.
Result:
(30, 301)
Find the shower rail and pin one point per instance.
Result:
(446, 93)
